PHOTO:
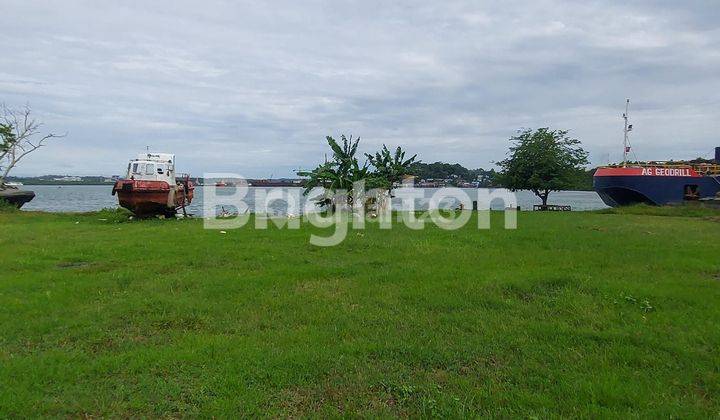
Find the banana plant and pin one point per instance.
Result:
(343, 171)
(391, 168)
(338, 174)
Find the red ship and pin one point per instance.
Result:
(152, 188)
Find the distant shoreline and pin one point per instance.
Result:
(61, 183)
(79, 184)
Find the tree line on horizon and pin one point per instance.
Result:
(486, 178)
(453, 171)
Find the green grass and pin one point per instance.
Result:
(688, 210)
(572, 314)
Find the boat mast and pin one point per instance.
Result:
(626, 131)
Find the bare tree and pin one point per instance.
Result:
(19, 136)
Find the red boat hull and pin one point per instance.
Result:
(149, 198)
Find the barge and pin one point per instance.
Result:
(657, 183)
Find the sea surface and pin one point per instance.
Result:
(85, 198)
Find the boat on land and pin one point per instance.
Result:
(14, 196)
(657, 183)
(151, 186)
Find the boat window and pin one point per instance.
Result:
(150, 169)
(135, 168)
(160, 169)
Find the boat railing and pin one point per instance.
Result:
(707, 169)
(701, 168)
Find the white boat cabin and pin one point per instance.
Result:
(153, 167)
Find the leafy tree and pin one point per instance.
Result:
(543, 161)
(7, 137)
(337, 174)
(343, 171)
(390, 168)
(7, 141)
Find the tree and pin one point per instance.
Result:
(19, 136)
(337, 174)
(343, 171)
(390, 168)
(543, 161)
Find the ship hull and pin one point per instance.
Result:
(654, 186)
(150, 198)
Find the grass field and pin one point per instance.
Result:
(572, 314)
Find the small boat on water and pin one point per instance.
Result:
(151, 186)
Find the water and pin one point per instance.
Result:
(84, 198)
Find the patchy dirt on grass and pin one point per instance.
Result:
(72, 264)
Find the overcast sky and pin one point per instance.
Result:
(254, 87)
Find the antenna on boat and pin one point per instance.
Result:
(628, 128)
